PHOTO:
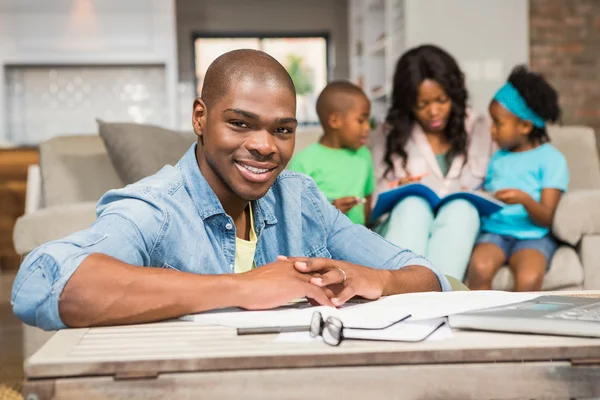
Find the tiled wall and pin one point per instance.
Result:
(43, 102)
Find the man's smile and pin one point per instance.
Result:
(254, 171)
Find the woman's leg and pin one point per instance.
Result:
(453, 235)
(409, 224)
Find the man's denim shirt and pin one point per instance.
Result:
(174, 220)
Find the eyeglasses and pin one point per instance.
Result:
(332, 329)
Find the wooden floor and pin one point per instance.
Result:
(11, 343)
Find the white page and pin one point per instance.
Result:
(269, 318)
(352, 314)
(298, 315)
(443, 333)
(420, 306)
(429, 305)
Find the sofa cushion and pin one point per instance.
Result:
(75, 168)
(578, 145)
(51, 223)
(577, 215)
(565, 271)
(139, 150)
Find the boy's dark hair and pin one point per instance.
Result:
(336, 97)
(539, 95)
(415, 66)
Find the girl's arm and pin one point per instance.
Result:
(541, 213)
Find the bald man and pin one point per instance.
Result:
(224, 227)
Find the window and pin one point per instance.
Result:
(304, 57)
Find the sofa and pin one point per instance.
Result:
(76, 170)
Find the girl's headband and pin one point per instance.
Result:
(510, 98)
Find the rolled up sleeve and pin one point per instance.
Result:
(357, 244)
(45, 271)
(40, 282)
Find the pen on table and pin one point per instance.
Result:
(262, 330)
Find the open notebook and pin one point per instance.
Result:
(375, 314)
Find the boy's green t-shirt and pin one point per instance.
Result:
(339, 173)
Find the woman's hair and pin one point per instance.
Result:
(539, 96)
(415, 66)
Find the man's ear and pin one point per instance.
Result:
(199, 115)
(335, 120)
(524, 127)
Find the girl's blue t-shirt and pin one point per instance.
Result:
(530, 171)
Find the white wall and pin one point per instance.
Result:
(487, 37)
(89, 32)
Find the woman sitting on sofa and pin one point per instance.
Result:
(430, 131)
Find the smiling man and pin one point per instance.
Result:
(224, 227)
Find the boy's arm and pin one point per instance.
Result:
(368, 202)
(369, 189)
(345, 204)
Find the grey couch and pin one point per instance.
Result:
(76, 170)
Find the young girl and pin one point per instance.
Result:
(429, 130)
(527, 173)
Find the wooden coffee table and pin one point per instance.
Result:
(185, 360)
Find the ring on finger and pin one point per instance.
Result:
(343, 273)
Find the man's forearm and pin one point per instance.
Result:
(409, 279)
(106, 291)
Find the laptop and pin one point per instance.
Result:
(551, 315)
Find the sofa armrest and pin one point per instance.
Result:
(41, 226)
(589, 252)
(578, 214)
(33, 192)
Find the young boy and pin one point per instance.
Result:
(340, 163)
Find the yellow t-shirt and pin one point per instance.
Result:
(245, 249)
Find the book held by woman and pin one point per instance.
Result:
(485, 203)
